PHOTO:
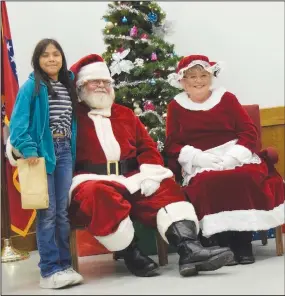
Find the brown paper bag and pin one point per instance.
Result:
(33, 184)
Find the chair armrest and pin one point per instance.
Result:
(271, 154)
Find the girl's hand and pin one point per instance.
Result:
(33, 160)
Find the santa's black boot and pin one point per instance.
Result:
(193, 256)
(137, 263)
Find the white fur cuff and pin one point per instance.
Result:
(155, 172)
(174, 212)
(119, 239)
(241, 153)
(10, 150)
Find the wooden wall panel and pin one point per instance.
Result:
(273, 132)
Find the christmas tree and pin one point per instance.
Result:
(140, 61)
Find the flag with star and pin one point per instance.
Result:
(21, 220)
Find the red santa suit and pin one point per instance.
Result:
(115, 156)
(239, 198)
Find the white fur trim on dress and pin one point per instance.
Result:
(9, 150)
(121, 238)
(242, 220)
(241, 153)
(98, 70)
(177, 211)
(184, 101)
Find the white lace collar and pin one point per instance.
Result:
(184, 101)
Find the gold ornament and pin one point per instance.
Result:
(138, 111)
(109, 25)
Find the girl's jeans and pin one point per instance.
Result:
(52, 226)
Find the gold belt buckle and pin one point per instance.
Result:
(109, 162)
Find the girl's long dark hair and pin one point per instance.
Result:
(63, 75)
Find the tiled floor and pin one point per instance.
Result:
(104, 276)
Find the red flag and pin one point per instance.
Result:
(21, 220)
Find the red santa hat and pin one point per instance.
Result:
(189, 62)
(90, 67)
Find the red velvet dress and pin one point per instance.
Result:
(245, 198)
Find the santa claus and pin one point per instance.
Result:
(119, 176)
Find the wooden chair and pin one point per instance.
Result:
(162, 248)
(254, 113)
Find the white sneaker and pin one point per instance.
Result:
(55, 281)
(75, 276)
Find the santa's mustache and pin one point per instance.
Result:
(99, 99)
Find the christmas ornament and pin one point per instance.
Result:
(119, 64)
(139, 62)
(138, 111)
(164, 29)
(134, 31)
(153, 56)
(152, 81)
(121, 49)
(144, 36)
(148, 105)
(152, 17)
(156, 73)
(124, 20)
(109, 25)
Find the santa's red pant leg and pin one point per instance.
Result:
(109, 206)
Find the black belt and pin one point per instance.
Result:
(121, 167)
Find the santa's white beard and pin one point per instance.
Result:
(97, 100)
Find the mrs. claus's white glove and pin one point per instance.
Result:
(148, 187)
(207, 160)
(229, 162)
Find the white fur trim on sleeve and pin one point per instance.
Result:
(154, 172)
(186, 156)
(241, 153)
(10, 150)
(121, 238)
(174, 212)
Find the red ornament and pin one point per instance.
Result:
(156, 73)
(148, 105)
(121, 49)
(144, 36)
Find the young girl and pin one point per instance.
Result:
(43, 125)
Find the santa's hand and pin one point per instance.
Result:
(148, 187)
(207, 160)
(229, 162)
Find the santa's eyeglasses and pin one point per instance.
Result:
(97, 82)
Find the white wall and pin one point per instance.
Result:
(248, 37)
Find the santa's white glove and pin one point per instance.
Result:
(148, 187)
(207, 160)
(229, 162)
